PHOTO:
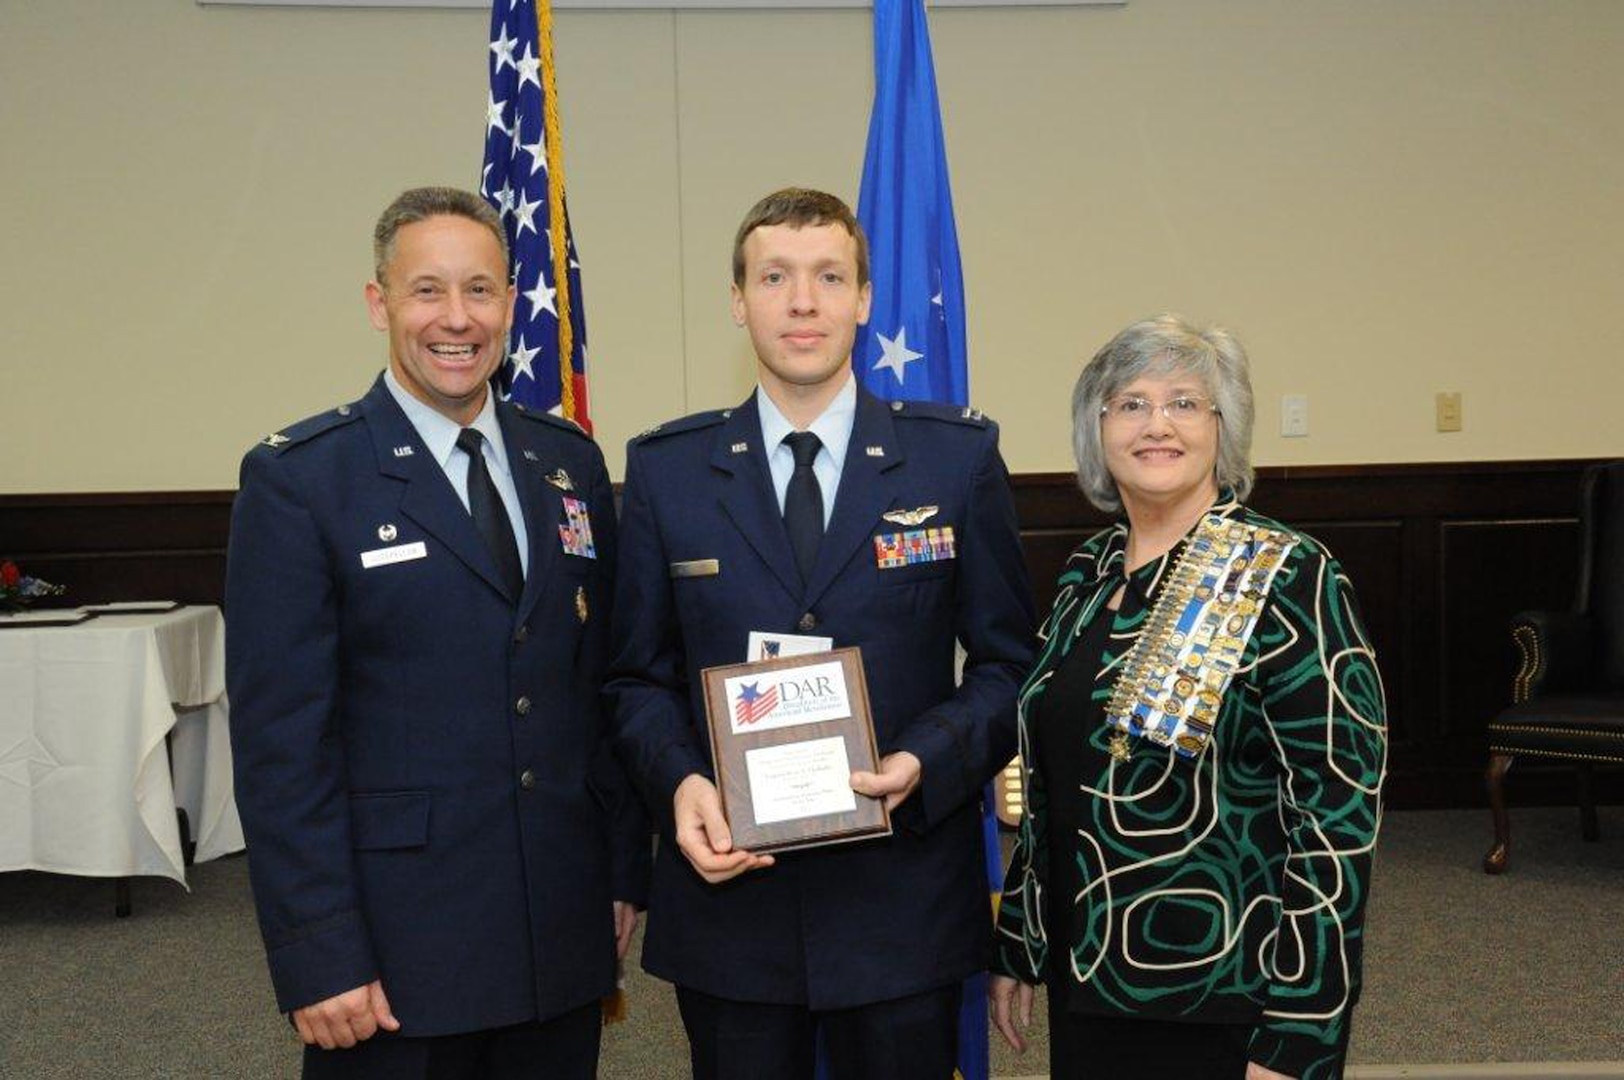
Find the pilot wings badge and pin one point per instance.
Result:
(910, 517)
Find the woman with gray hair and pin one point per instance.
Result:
(1203, 748)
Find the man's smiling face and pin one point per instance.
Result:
(445, 302)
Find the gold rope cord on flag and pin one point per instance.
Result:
(557, 231)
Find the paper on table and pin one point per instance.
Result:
(131, 607)
(59, 617)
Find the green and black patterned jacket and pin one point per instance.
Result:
(1230, 886)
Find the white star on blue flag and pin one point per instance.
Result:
(906, 208)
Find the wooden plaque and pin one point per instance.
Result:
(786, 734)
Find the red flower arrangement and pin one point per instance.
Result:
(18, 590)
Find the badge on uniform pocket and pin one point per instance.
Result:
(576, 532)
(916, 546)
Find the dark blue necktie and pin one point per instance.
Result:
(490, 516)
(803, 502)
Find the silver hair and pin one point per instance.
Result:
(422, 203)
(1165, 345)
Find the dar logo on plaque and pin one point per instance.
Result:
(753, 703)
(804, 694)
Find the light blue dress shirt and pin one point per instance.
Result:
(833, 429)
(439, 435)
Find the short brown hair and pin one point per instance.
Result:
(798, 208)
(422, 203)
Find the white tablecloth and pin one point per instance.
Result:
(86, 786)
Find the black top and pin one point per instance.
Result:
(1066, 713)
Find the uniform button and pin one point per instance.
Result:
(527, 779)
(808, 622)
(522, 634)
(522, 706)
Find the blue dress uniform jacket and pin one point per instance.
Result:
(421, 769)
(855, 923)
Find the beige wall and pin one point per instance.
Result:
(1386, 198)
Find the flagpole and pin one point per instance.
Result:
(914, 345)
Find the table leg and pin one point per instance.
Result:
(188, 846)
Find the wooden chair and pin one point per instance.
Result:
(1569, 690)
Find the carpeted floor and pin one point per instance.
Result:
(1460, 967)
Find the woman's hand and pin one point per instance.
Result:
(1004, 992)
(1254, 1071)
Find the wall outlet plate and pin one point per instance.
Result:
(1294, 416)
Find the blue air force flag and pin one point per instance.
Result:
(913, 346)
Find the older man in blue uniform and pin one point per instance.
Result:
(443, 852)
(783, 515)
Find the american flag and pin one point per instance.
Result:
(753, 704)
(523, 179)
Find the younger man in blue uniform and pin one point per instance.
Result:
(442, 851)
(736, 521)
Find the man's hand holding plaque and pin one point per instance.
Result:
(897, 779)
(791, 738)
(703, 835)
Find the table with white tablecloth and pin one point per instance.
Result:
(87, 783)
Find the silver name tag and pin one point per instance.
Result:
(391, 555)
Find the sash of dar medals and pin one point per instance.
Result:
(1174, 676)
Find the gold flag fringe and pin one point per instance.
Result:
(557, 232)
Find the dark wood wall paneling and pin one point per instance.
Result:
(135, 546)
(1441, 555)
